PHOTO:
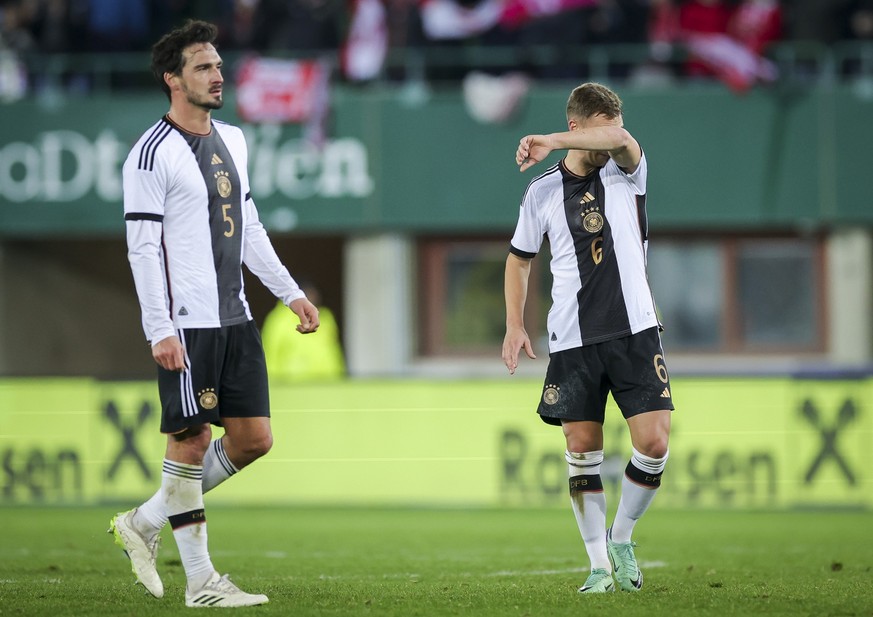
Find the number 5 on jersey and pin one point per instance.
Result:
(226, 217)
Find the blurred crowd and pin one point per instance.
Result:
(727, 39)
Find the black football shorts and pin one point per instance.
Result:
(226, 378)
(632, 368)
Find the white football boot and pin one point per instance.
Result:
(219, 592)
(142, 553)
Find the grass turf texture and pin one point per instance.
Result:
(408, 562)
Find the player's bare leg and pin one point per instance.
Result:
(246, 439)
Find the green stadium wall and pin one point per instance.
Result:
(774, 158)
(737, 443)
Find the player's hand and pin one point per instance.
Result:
(170, 354)
(515, 340)
(307, 313)
(532, 149)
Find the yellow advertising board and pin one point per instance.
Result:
(736, 443)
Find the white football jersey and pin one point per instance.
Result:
(191, 224)
(597, 230)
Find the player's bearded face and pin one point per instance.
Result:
(201, 79)
(209, 100)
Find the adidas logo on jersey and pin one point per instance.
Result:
(216, 160)
(183, 311)
(665, 393)
(586, 198)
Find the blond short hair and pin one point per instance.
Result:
(591, 99)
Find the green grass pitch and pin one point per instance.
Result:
(436, 562)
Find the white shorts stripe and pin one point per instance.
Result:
(189, 403)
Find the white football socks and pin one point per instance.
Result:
(640, 483)
(151, 517)
(182, 488)
(589, 504)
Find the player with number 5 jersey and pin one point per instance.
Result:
(187, 203)
(191, 226)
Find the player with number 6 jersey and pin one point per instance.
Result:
(599, 289)
(603, 331)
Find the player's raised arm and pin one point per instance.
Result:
(594, 134)
(602, 135)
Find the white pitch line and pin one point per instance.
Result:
(496, 574)
(394, 459)
(642, 564)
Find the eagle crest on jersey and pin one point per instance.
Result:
(223, 182)
(592, 220)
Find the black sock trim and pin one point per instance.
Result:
(638, 476)
(184, 519)
(586, 484)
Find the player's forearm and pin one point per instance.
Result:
(145, 264)
(149, 284)
(260, 257)
(605, 138)
(515, 290)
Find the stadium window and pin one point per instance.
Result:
(739, 294)
(714, 294)
(461, 305)
(777, 287)
(688, 284)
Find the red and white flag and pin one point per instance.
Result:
(277, 90)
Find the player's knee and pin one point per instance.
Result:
(194, 437)
(257, 446)
(264, 445)
(654, 446)
(646, 470)
(190, 445)
(582, 441)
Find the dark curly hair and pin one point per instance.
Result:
(167, 56)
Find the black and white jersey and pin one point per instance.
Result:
(597, 230)
(191, 224)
